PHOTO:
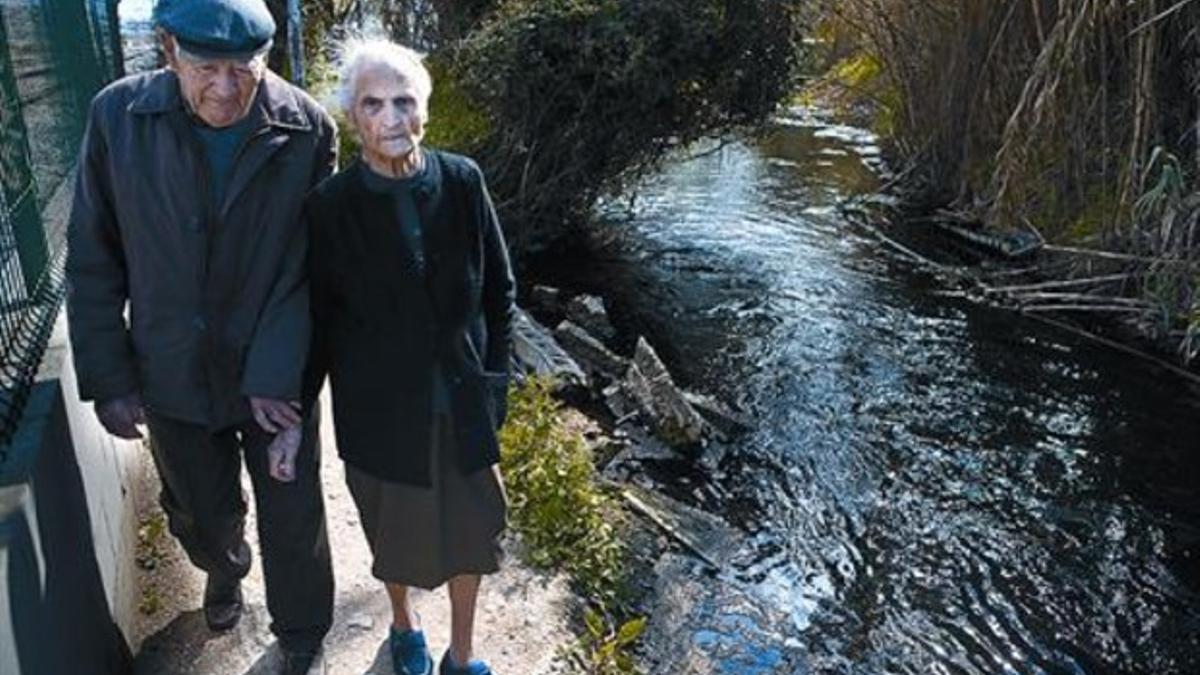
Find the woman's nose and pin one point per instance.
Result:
(398, 115)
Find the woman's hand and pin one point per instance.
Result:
(274, 415)
(281, 455)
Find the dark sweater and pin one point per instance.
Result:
(408, 221)
(380, 328)
(220, 150)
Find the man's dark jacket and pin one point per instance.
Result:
(379, 324)
(218, 300)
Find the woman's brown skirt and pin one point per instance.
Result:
(423, 536)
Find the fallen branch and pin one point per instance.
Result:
(1159, 17)
(1083, 297)
(1060, 283)
(1084, 308)
(1109, 255)
(968, 295)
(1182, 372)
(1017, 271)
(908, 252)
(641, 507)
(625, 418)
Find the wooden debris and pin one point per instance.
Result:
(595, 358)
(718, 415)
(546, 300)
(536, 353)
(701, 534)
(650, 385)
(588, 311)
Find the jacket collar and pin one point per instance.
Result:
(275, 102)
(427, 186)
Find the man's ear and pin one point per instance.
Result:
(166, 42)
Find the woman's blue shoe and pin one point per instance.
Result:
(410, 655)
(473, 667)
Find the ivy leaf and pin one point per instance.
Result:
(595, 623)
(631, 630)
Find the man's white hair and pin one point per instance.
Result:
(361, 54)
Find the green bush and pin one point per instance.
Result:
(456, 122)
(583, 95)
(567, 522)
(1190, 347)
(555, 503)
(607, 646)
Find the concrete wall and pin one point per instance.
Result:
(68, 534)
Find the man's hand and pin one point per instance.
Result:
(274, 415)
(121, 416)
(281, 455)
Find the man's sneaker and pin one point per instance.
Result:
(410, 654)
(473, 667)
(222, 602)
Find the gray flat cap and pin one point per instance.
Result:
(217, 28)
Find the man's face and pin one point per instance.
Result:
(389, 113)
(218, 91)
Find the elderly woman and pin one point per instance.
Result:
(412, 299)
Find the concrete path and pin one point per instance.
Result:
(522, 619)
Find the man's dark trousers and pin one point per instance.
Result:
(202, 497)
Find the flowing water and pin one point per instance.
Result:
(932, 486)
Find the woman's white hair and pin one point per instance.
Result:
(360, 54)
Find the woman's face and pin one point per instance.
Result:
(389, 113)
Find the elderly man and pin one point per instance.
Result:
(187, 210)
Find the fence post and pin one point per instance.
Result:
(296, 41)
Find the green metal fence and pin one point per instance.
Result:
(54, 56)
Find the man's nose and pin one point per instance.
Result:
(225, 85)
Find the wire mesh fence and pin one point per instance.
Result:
(54, 56)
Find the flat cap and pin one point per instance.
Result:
(217, 28)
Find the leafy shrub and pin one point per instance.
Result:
(555, 504)
(582, 95)
(567, 522)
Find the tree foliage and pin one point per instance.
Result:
(582, 95)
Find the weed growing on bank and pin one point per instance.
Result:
(568, 522)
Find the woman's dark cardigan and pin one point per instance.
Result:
(379, 325)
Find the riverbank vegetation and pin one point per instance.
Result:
(1074, 123)
(568, 522)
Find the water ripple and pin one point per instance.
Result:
(933, 487)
